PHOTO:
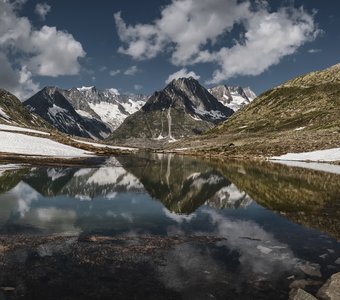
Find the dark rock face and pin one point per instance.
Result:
(51, 105)
(184, 108)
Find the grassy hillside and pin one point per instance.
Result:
(13, 112)
(302, 114)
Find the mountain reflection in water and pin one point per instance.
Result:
(253, 208)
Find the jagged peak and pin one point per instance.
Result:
(182, 80)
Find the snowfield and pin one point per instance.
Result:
(20, 129)
(107, 146)
(31, 145)
(327, 155)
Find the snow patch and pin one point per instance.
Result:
(3, 114)
(84, 113)
(85, 88)
(214, 114)
(107, 146)
(54, 110)
(31, 145)
(20, 129)
(320, 155)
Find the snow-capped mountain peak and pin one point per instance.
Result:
(233, 97)
(85, 111)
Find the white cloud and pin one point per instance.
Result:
(269, 38)
(189, 30)
(56, 51)
(133, 70)
(137, 87)
(114, 72)
(17, 81)
(26, 51)
(42, 9)
(313, 51)
(182, 73)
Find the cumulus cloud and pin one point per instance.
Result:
(190, 29)
(114, 72)
(26, 52)
(133, 70)
(182, 73)
(42, 9)
(56, 52)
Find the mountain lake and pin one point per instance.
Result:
(157, 226)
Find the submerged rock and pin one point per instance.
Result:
(331, 289)
(311, 270)
(302, 283)
(300, 294)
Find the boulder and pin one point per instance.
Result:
(331, 289)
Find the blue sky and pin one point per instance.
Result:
(70, 43)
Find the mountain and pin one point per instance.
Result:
(109, 105)
(233, 97)
(51, 104)
(183, 108)
(85, 112)
(302, 114)
(13, 112)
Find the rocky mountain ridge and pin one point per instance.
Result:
(85, 112)
(234, 97)
(183, 108)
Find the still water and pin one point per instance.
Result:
(166, 227)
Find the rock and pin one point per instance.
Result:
(331, 289)
(300, 294)
(302, 283)
(311, 270)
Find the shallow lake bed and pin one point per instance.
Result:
(167, 227)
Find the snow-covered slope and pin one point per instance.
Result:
(109, 105)
(30, 145)
(233, 97)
